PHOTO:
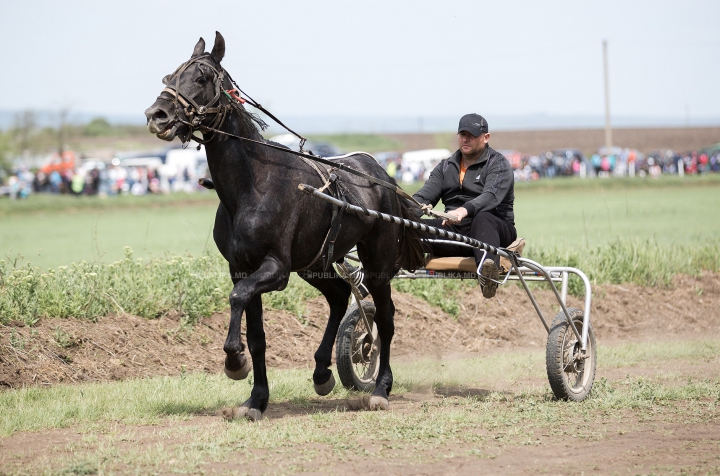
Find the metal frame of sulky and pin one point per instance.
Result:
(523, 269)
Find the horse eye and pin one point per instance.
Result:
(166, 80)
(201, 80)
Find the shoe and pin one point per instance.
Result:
(489, 274)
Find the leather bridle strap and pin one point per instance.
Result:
(193, 111)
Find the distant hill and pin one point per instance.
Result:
(49, 118)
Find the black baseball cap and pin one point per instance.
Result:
(475, 124)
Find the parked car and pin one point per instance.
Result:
(417, 164)
(323, 149)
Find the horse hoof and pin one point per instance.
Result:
(243, 411)
(378, 403)
(239, 374)
(325, 388)
(253, 414)
(234, 413)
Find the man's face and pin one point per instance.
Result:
(470, 145)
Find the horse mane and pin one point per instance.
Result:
(249, 120)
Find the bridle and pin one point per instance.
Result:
(195, 113)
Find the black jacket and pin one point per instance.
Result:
(488, 185)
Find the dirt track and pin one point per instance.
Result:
(641, 442)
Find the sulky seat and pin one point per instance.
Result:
(467, 265)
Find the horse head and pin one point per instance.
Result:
(192, 94)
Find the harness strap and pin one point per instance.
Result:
(335, 225)
(322, 247)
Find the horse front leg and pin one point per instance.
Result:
(237, 365)
(246, 297)
(337, 292)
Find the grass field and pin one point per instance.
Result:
(570, 214)
(459, 411)
(642, 232)
(52, 231)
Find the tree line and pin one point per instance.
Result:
(29, 134)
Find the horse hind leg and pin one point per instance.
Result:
(337, 292)
(385, 321)
(378, 258)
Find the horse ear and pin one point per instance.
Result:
(199, 48)
(218, 51)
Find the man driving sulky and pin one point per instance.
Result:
(476, 185)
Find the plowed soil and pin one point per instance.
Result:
(123, 346)
(119, 347)
(679, 139)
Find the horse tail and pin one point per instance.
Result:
(411, 252)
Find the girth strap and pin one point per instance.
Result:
(335, 224)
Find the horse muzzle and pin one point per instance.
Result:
(161, 123)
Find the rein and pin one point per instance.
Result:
(196, 115)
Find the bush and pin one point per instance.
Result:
(98, 127)
(193, 287)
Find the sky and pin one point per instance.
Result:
(415, 58)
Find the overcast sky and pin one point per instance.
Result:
(372, 58)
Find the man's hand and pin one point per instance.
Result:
(460, 213)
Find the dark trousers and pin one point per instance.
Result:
(484, 227)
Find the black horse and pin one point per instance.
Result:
(266, 228)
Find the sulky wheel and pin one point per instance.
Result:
(357, 351)
(570, 371)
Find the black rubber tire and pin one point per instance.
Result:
(351, 329)
(570, 381)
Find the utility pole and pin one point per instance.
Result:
(608, 129)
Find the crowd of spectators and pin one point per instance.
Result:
(112, 178)
(98, 179)
(616, 162)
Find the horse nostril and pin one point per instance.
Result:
(159, 115)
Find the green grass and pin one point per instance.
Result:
(571, 215)
(616, 231)
(580, 215)
(194, 287)
(441, 293)
(48, 203)
(46, 237)
(475, 427)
